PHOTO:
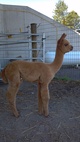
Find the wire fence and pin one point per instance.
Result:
(19, 46)
(70, 69)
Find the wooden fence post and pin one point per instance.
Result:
(34, 38)
(43, 39)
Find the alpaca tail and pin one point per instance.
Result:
(3, 76)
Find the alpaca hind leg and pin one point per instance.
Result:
(11, 96)
(45, 98)
(40, 105)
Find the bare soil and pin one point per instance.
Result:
(62, 124)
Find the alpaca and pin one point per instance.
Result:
(42, 73)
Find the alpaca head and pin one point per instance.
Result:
(64, 44)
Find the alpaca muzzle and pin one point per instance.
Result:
(71, 47)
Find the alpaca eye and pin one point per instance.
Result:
(66, 44)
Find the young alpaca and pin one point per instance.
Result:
(43, 73)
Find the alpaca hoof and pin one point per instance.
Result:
(16, 114)
(46, 114)
(40, 112)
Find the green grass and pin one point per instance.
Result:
(63, 78)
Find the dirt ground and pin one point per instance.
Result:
(62, 124)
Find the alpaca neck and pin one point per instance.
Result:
(57, 63)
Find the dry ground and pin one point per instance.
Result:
(62, 124)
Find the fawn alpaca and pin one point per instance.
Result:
(43, 73)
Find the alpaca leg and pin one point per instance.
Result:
(11, 96)
(40, 105)
(45, 98)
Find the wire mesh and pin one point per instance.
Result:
(18, 45)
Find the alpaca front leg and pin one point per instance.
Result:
(40, 105)
(11, 96)
(45, 99)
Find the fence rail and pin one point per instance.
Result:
(14, 48)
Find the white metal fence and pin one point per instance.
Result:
(18, 46)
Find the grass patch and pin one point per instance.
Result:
(63, 78)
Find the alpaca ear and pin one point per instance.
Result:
(63, 36)
(61, 39)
